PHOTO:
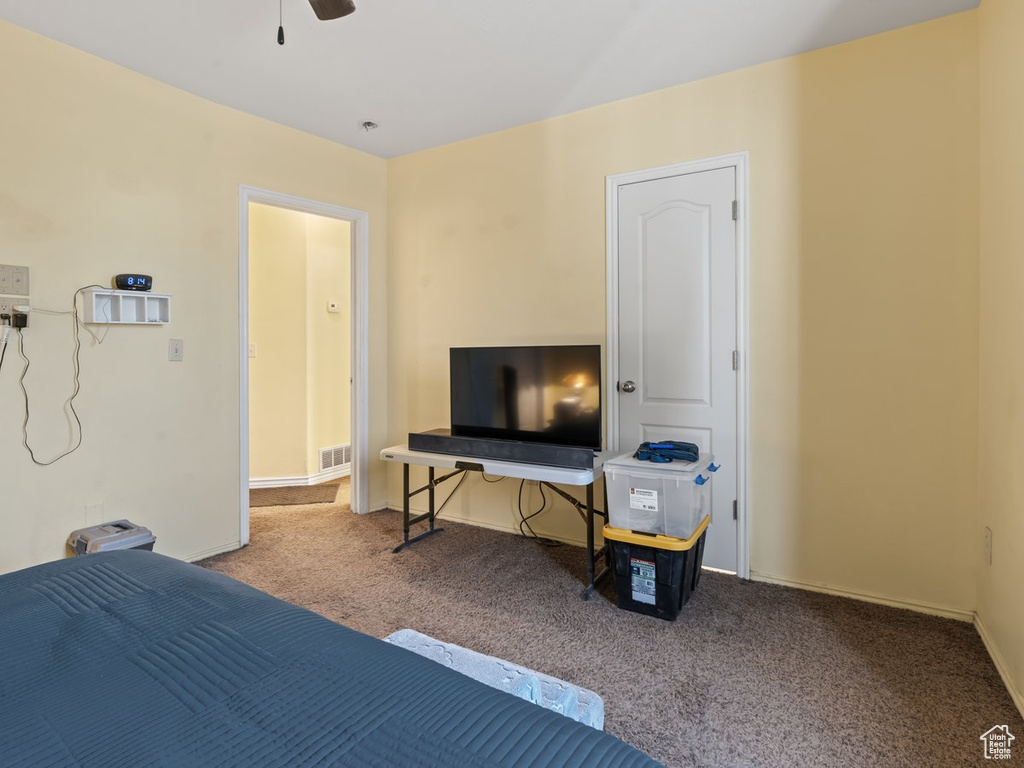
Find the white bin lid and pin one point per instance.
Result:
(626, 463)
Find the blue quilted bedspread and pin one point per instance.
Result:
(135, 659)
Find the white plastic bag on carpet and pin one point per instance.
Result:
(549, 692)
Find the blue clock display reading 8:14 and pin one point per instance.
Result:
(132, 281)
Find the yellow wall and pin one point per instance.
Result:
(278, 404)
(328, 278)
(104, 171)
(864, 174)
(869, 420)
(1001, 395)
(299, 391)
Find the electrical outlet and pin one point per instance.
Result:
(7, 304)
(176, 350)
(988, 546)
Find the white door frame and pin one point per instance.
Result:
(741, 162)
(360, 249)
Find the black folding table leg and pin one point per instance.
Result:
(430, 496)
(405, 502)
(407, 520)
(405, 507)
(590, 542)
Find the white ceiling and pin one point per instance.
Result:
(436, 71)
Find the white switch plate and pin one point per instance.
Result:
(19, 281)
(252, 349)
(334, 306)
(176, 350)
(13, 280)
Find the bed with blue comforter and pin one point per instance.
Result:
(134, 659)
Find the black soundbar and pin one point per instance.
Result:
(443, 441)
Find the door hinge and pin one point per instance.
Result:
(735, 359)
(735, 509)
(735, 210)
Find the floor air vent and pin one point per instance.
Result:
(336, 456)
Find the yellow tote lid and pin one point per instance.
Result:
(656, 540)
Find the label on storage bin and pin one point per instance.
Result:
(640, 498)
(642, 573)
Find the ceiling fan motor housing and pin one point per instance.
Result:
(326, 10)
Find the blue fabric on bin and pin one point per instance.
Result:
(664, 451)
(549, 692)
(129, 658)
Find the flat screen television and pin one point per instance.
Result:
(542, 394)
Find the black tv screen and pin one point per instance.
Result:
(545, 394)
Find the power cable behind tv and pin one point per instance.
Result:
(524, 519)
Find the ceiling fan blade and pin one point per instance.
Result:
(326, 10)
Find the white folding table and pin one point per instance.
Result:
(544, 474)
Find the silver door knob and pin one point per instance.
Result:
(627, 386)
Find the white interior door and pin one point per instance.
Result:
(677, 329)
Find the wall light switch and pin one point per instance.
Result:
(252, 349)
(334, 306)
(19, 281)
(176, 350)
(13, 280)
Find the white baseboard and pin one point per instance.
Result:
(868, 597)
(218, 550)
(1001, 666)
(290, 482)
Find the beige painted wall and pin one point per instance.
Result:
(864, 172)
(105, 170)
(1001, 395)
(278, 399)
(299, 392)
(328, 246)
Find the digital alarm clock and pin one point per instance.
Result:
(133, 282)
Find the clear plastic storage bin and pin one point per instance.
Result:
(669, 499)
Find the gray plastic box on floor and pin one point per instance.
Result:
(118, 534)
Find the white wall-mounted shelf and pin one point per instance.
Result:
(103, 307)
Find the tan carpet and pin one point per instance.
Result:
(750, 675)
(324, 493)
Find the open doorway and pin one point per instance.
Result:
(302, 352)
